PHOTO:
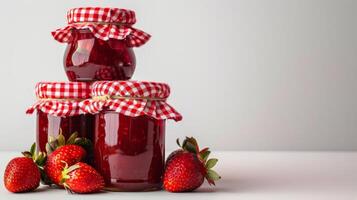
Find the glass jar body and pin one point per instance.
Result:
(129, 151)
(88, 58)
(49, 125)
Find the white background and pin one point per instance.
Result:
(246, 75)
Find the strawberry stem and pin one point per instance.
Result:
(66, 170)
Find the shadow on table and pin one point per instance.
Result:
(55, 188)
(38, 190)
(223, 185)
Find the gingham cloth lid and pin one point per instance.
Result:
(60, 98)
(131, 98)
(104, 23)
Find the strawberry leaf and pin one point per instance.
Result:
(44, 178)
(212, 175)
(193, 142)
(83, 142)
(72, 138)
(33, 149)
(49, 149)
(27, 154)
(51, 139)
(87, 145)
(211, 163)
(204, 155)
(66, 170)
(61, 140)
(178, 142)
(204, 150)
(41, 159)
(190, 147)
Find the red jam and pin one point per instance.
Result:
(88, 58)
(49, 125)
(129, 151)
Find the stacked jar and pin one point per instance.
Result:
(124, 119)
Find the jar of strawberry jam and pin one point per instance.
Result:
(100, 42)
(129, 135)
(58, 111)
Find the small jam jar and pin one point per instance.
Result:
(58, 111)
(100, 43)
(129, 136)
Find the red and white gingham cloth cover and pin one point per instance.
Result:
(60, 98)
(80, 18)
(141, 91)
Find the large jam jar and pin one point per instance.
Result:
(129, 136)
(58, 111)
(100, 43)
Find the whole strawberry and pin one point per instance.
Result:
(186, 168)
(56, 161)
(22, 174)
(82, 178)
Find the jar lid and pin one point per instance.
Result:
(104, 23)
(60, 98)
(131, 98)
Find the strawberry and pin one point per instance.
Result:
(187, 167)
(23, 174)
(82, 178)
(70, 154)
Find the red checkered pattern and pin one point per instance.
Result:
(60, 98)
(142, 98)
(98, 20)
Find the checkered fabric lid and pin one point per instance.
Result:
(60, 98)
(104, 23)
(131, 98)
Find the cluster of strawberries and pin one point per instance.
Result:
(64, 166)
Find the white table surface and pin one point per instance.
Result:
(248, 176)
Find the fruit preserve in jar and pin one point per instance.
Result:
(58, 111)
(48, 125)
(129, 135)
(100, 42)
(88, 58)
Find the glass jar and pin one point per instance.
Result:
(100, 43)
(88, 58)
(129, 132)
(129, 151)
(50, 125)
(58, 111)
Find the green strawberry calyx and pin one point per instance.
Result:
(56, 142)
(190, 144)
(65, 175)
(39, 159)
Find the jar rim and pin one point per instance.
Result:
(131, 98)
(104, 23)
(101, 14)
(62, 90)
